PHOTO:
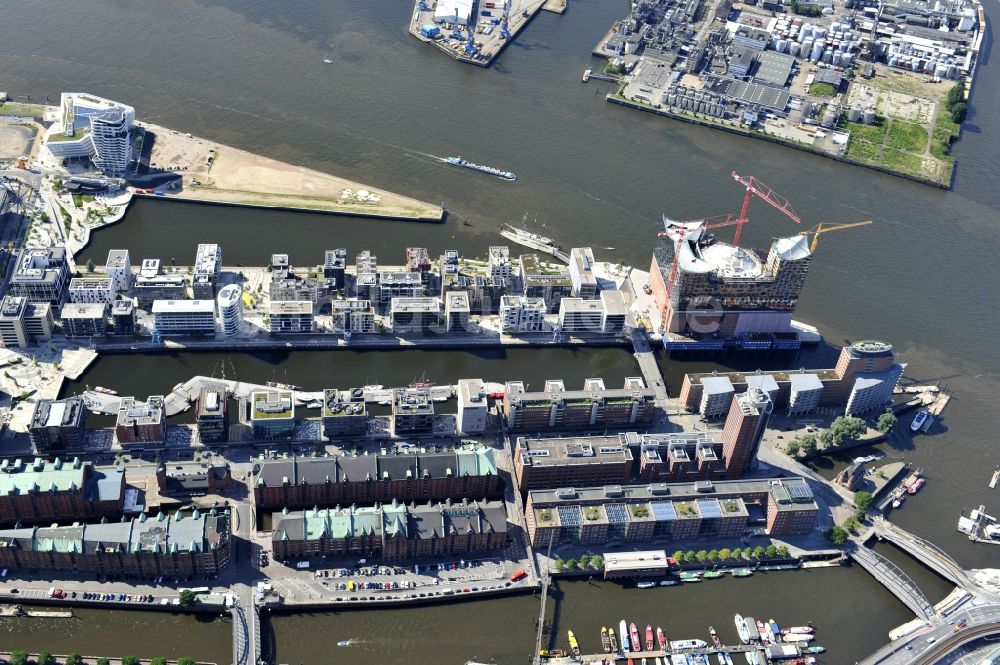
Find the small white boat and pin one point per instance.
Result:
(741, 628)
(793, 638)
(919, 420)
(646, 584)
(373, 387)
(344, 643)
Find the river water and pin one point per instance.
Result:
(250, 73)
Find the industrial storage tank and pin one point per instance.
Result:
(672, 99)
(836, 60)
(781, 46)
(804, 32)
(868, 117)
(795, 48)
(828, 56)
(854, 115)
(817, 52)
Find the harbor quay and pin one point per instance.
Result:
(474, 32)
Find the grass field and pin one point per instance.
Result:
(22, 110)
(907, 136)
(863, 151)
(903, 160)
(871, 133)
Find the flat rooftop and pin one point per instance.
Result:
(610, 449)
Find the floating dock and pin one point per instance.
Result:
(980, 527)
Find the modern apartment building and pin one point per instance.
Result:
(744, 428)
(456, 312)
(415, 315)
(212, 415)
(581, 273)
(547, 282)
(58, 425)
(866, 370)
(123, 318)
(184, 317)
(677, 512)
(392, 532)
(178, 546)
(272, 414)
(519, 314)
(141, 422)
(41, 275)
(412, 411)
(84, 319)
(92, 290)
(22, 323)
(380, 478)
(399, 285)
(153, 284)
(344, 413)
(601, 316)
(595, 406)
(500, 267)
(40, 492)
(207, 266)
(119, 269)
(352, 316)
(290, 316)
(95, 128)
(335, 268)
(230, 305)
(473, 406)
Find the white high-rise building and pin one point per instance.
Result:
(93, 127)
(230, 304)
(119, 269)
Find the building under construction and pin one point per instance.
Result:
(711, 294)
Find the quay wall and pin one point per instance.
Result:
(90, 660)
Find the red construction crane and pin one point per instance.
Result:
(765, 193)
(682, 230)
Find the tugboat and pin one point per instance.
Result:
(488, 170)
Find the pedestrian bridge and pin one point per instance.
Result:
(923, 551)
(246, 629)
(894, 579)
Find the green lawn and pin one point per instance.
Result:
(907, 136)
(822, 90)
(863, 151)
(903, 160)
(22, 110)
(871, 133)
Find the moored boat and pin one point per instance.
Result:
(623, 632)
(106, 391)
(605, 640)
(915, 487)
(742, 572)
(661, 639)
(919, 420)
(669, 582)
(646, 584)
(690, 577)
(633, 635)
(714, 636)
(649, 637)
(574, 646)
(798, 629)
(765, 634)
(613, 640)
(680, 645)
(712, 575)
(741, 629)
(793, 638)
(816, 649)
(775, 629)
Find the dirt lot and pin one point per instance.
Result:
(237, 176)
(14, 140)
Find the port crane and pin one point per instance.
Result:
(826, 228)
(755, 187)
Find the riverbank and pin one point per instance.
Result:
(739, 130)
(98, 660)
(211, 172)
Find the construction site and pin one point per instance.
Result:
(712, 294)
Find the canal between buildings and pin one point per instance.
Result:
(249, 73)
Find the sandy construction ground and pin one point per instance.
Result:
(239, 177)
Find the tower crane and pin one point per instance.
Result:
(756, 187)
(826, 228)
